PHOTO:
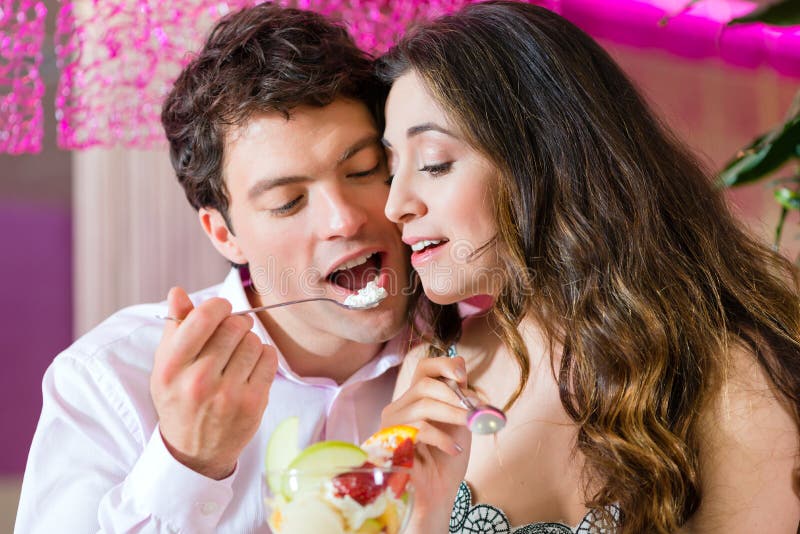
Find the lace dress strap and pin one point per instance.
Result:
(467, 518)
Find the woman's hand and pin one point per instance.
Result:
(443, 441)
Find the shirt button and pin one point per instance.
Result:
(208, 508)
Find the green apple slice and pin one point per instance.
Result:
(319, 462)
(282, 448)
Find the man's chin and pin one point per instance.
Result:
(373, 331)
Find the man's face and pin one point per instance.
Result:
(306, 205)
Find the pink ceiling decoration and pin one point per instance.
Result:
(697, 32)
(21, 87)
(118, 58)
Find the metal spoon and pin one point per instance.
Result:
(483, 418)
(288, 303)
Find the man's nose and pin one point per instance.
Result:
(403, 203)
(343, 214)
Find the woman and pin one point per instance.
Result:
(646, 349)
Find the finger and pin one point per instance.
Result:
(178, 307)
(437, 437)
(452, 368)
(243, 359)
(427, 387)
(196, 330)
(168, 358)
(265, 368)
(429, 410)
(178, 303)
(219, 349)
(428, 399)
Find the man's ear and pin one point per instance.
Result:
(221, 237)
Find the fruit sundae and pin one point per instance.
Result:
(337, 487)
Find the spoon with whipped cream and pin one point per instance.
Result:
(368, 297)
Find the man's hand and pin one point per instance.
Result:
(210, 384)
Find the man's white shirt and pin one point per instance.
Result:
(98, 464)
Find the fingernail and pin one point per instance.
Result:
(461, 375)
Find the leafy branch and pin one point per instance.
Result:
(778, 148)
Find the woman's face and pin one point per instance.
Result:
(441, 196)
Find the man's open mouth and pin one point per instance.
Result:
(358, 272)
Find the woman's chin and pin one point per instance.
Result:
(443, 297)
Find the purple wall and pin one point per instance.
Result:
(36, 316)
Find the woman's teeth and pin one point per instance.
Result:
(419, 245)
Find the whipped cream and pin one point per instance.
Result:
(354, 513)
(368, 296)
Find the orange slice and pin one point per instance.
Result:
(391, 437)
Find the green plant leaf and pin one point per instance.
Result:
(783, 13)
(764, 155)
(788, 198)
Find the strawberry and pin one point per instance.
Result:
(403, 455)
(360, 486)
(397, 482)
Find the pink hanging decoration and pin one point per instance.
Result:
(21, 87)
(118, 59)
(377, 24)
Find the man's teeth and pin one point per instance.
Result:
(419, 245)
(355, 262)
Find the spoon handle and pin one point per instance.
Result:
(463, 398)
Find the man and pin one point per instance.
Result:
(154, 426)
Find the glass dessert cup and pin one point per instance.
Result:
(352, 500)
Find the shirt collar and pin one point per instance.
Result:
(390, 356)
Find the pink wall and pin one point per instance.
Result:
(36, 297)
(35, 275)
(717, 108)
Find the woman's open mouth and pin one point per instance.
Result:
(422, 251)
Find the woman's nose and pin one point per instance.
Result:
(403, 204)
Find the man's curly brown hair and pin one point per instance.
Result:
(258, 60)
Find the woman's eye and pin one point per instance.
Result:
(437, 169)
(286, 208)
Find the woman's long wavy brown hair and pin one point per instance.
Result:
(616, 242)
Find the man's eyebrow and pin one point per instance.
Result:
(264, 185)
(357, 147)
(422, 128)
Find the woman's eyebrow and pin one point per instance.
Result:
(422, 128)
(428, 127)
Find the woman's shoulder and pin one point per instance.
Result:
(746, 402)
(749, 452)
